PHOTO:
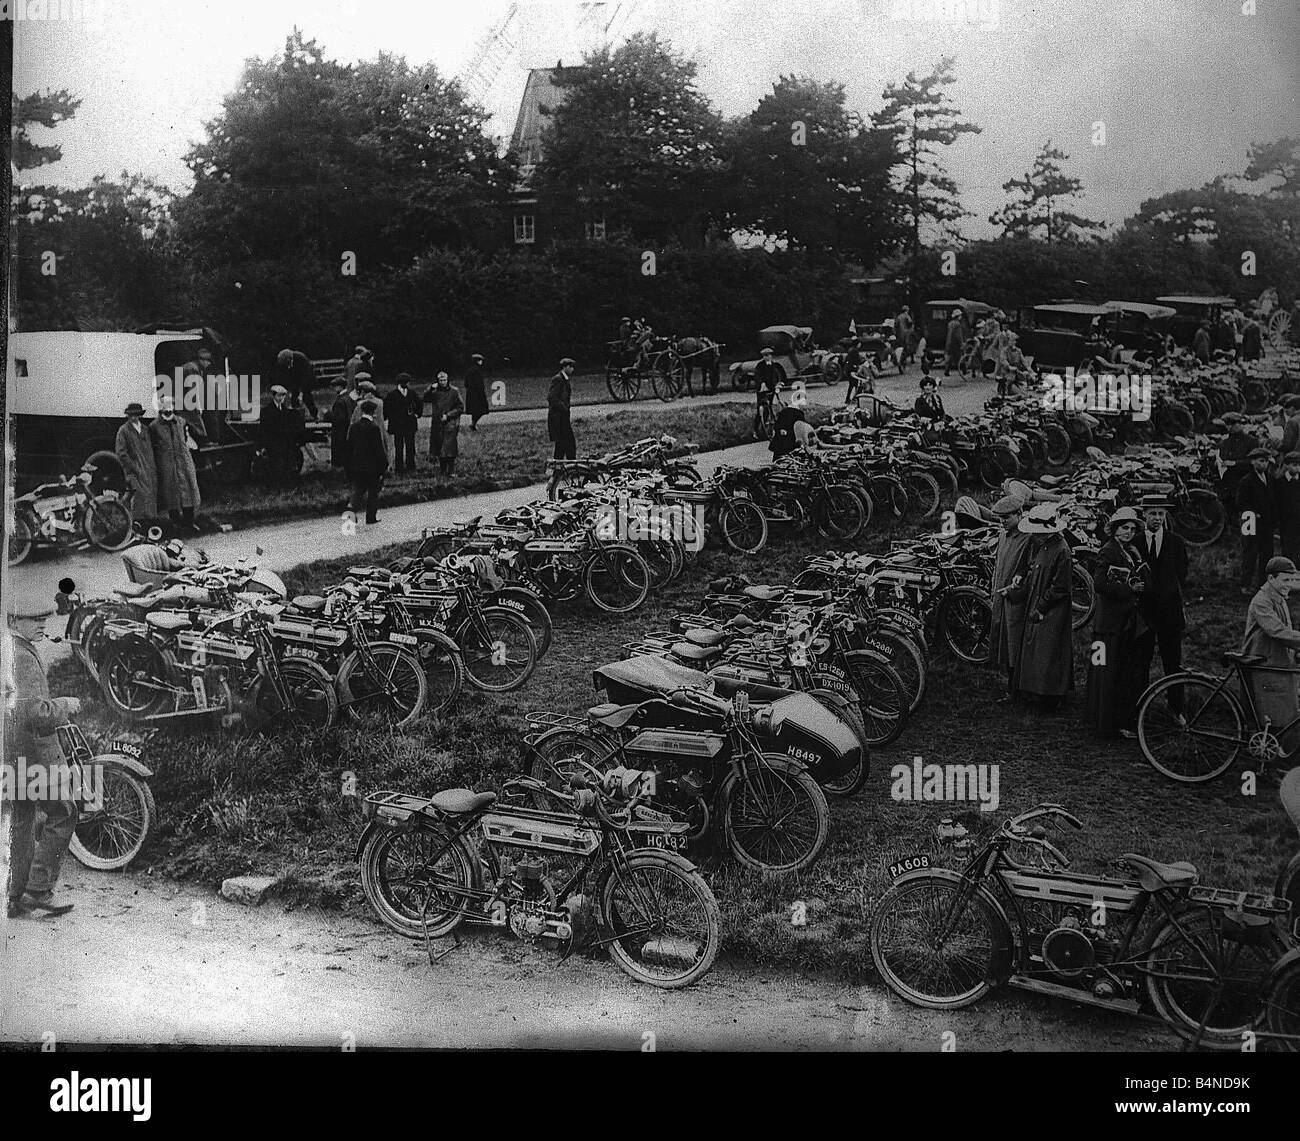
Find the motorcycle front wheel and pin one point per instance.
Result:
(107, 524)
(775, 818)
(663, 919)
(1282, 1007)
(743, 526)
(21, 539)
(313, 703)
(619, 581)
(942, 974)
(416, 882)
(110, 836)
(443, 669)
(502, 655)
(392, 694)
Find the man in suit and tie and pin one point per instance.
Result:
(367, 461)
(1161, 603)
(1257, 517)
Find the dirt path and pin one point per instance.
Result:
(146, 960)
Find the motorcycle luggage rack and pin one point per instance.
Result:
(548, 719)
(1239, 900)
(402, 801)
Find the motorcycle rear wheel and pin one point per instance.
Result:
(21, 539)
(923, 493)
(408, 894)
(313, 702)
(966, 621)
(622, 585)
(760, 804)
(130, 677)
(364, 697)
(107, 525)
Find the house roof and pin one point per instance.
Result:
(540, 91)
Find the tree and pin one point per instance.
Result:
(1036, 200)
(803, 168)
(921, 117)
(45, 109)
(1280, 159)
(633, 140)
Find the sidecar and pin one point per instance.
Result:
(803, 728)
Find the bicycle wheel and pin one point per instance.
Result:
(443, 670)
(1282, 1007)
(133, 678)
(501, 654)
(942, 974)
(882, 698)
(313, 704)
(1196, 973)
(923, 492)
(1083, 596)
(1201, 742)
(111, 835)
(21, 539)
(775, 818)
(743, 526)
(617, 581)
(107, 524)
(416, 882)
(388, 692)
(966, 620)
(838, 514)
(664, 921)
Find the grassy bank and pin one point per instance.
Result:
(231, 805)
(498, 456)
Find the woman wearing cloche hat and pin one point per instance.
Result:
(1045, 668)
(1114, 681)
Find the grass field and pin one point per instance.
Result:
(497, 456)
(232, 805)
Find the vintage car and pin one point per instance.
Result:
(793, 348)
(1190, 310)
(934, 317)
(1140, 329)
(1065, 334)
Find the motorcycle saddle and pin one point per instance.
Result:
(689, 653)
(167, 620)
(1153, 875)
(470, 521)
(308, 603)
(612, 715)
(704, 637)
(134, 590)
(459, 801)
(1052, 480)
(763, 593)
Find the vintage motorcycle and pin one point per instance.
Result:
(66, 515)
(116, 808)
(427, 863)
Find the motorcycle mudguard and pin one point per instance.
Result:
(1004, 940)
(122, 761)
(808, 732)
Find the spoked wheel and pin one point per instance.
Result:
(1256, 394)
(623, 383)
(312, 701)
(109, 835)
(499, 655)
(1058, 445)
(967, 622)
(743, 526)
(665, 385)
(21, 539)
(133, 677)
(664, 921)
(1202, 520)
(891, 496)
(389, 694)
(107, 524)
(996, 464)
(908, 660)
(923, 493)
(932, 946)
(438, 547)
(534, 612)
(946, 478)
(1282, 1008)
(444, 671)
(1083, 596)
(1206, 984)
(775, 818)
(883, 700)
(663, 559)
(617, 580)
(1279, 329)
(1189, 728)
(560, 753)
(838, 513)
(416, 882)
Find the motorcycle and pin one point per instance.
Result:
(66, 515)
(116, 809)
(428, 863)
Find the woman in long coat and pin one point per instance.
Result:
(476, 403)
(134, 448)
(1046, 664)
(1010, 568)
(1114, 681)
(178, 484)
(444, 429)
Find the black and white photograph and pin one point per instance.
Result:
(670, 525)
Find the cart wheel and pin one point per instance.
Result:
(623, 384)
(1279, 329)
(662, 381)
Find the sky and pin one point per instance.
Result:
(1182, 86)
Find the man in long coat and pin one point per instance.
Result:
(178, 483)
(402, 412)
(1010, 567)
(340, 418)
(134, 449)
(559, 426)
(954, 343)
(476, 403)
(367, 461)
(1270, 635)
(446, 409)
(1256, 518)
(1045, 667)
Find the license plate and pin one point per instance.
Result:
(403, 639)
(670, 841)
(908, 864)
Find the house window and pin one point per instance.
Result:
(595, 230)
(525, 229)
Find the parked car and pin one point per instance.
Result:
(794, 349)
(1066, 334)
(935, 315)
(1141, 329)
(1190, 310)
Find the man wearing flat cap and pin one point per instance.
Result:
(1256, 512)
(32, 718)
(134, 451)
(1270, 635)
(282, 429)
(367, 461)
(559, 425)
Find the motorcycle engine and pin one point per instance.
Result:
(559, 577)
(1068, 949)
